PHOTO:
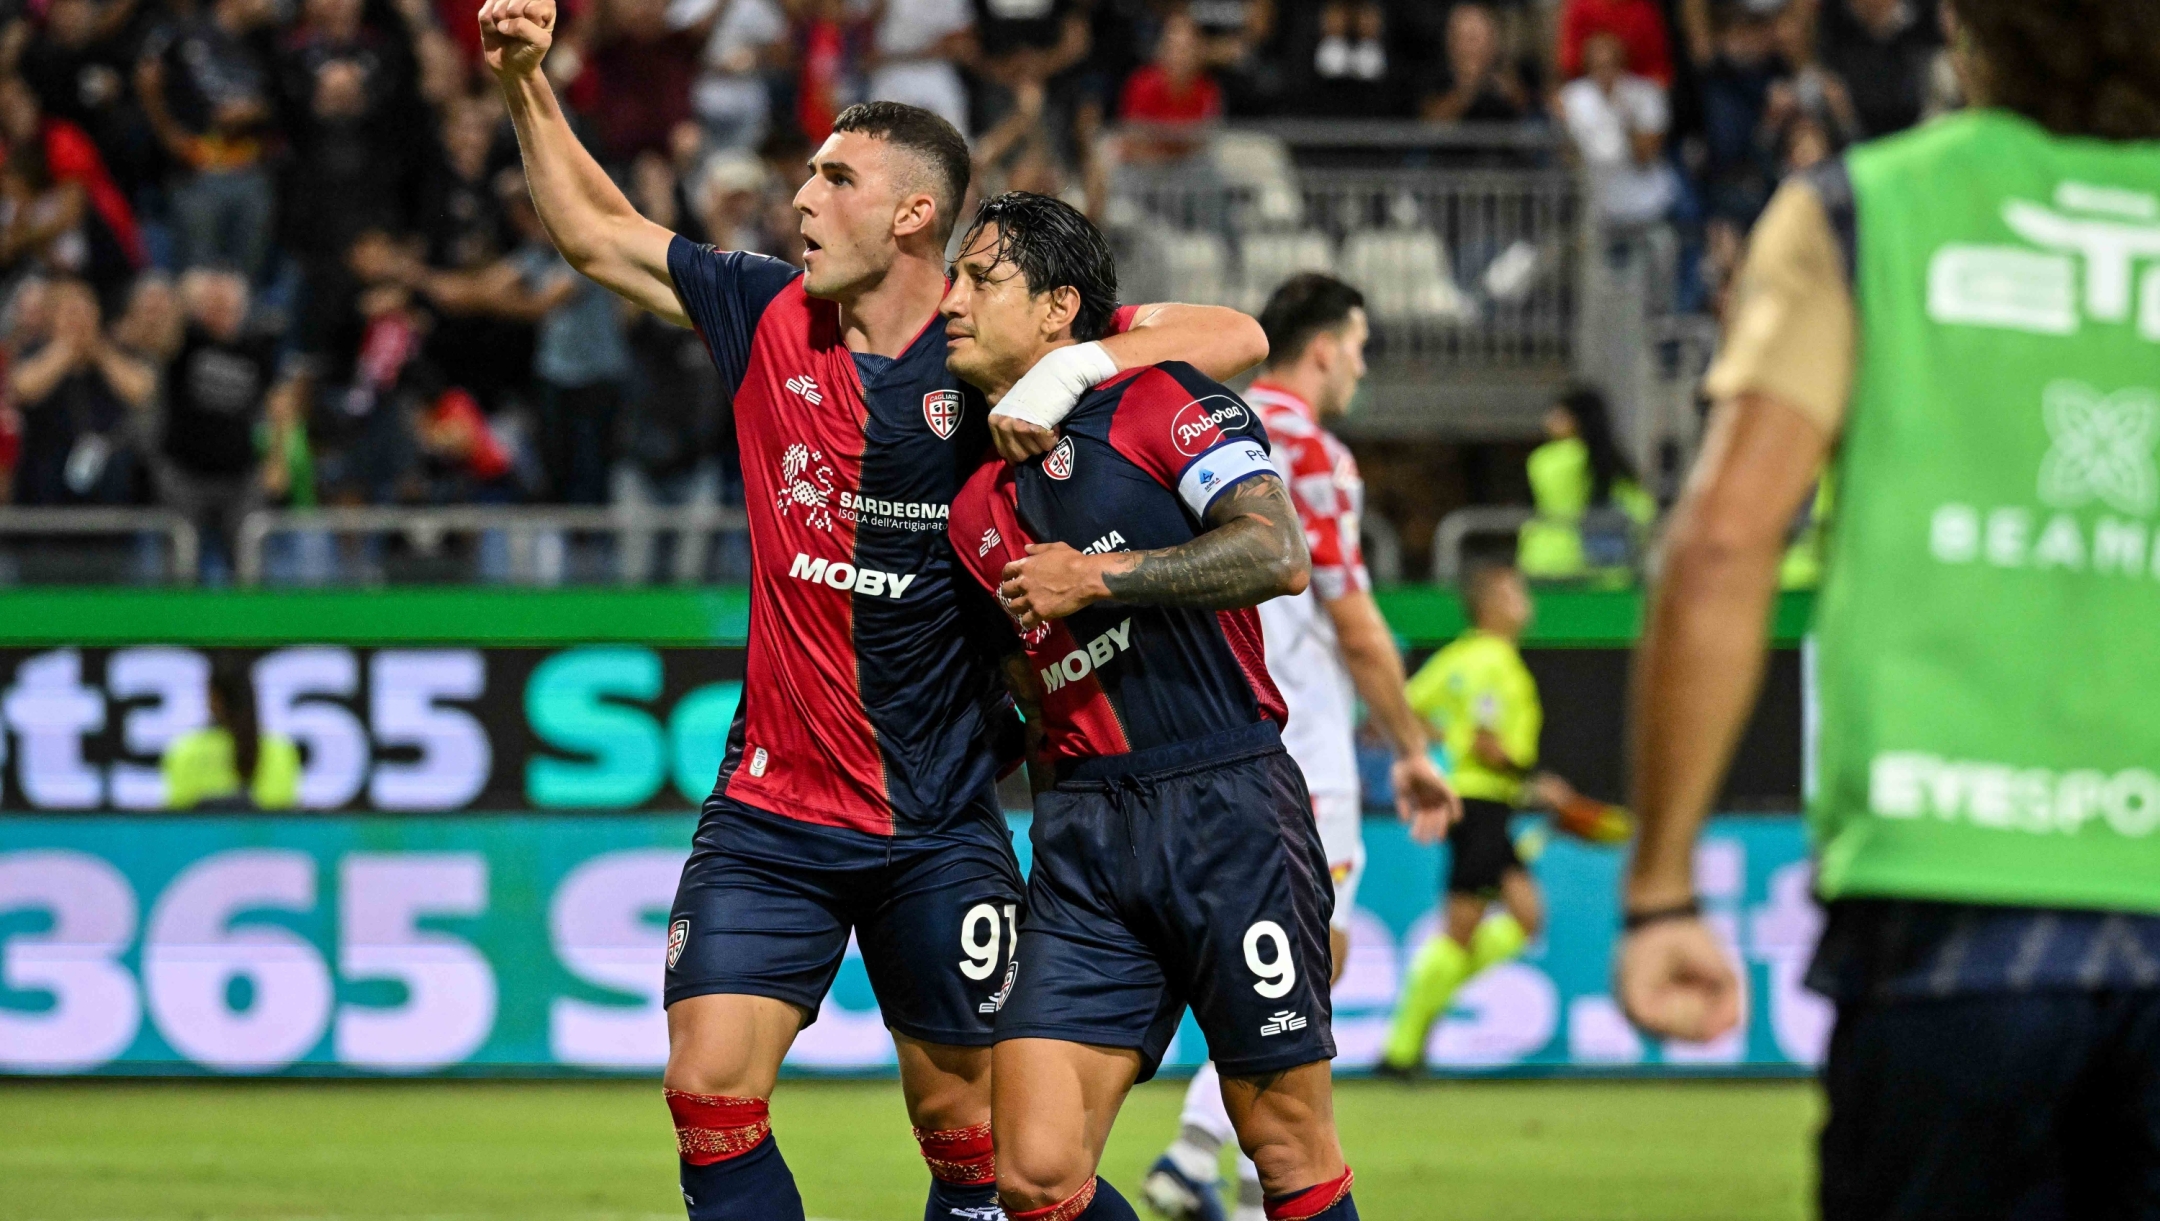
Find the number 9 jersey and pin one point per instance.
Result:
(1176, 859)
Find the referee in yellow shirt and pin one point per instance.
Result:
(1481, 701)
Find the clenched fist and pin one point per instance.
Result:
(515, 35)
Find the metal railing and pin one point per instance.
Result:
(1452, 537)
(120, 525)
(512, 545)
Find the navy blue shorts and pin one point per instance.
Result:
(766, 904)
(2041, 1106)
(1187, 874)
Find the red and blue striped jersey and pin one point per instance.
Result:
(1143, 458)
(870, 698)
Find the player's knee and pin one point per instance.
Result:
(1036, 1177)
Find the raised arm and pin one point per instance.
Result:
(1254, 550)
(1422, 796)
(591, 221)
(1218, 341)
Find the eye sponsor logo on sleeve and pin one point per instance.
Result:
(941, 411)
(990, 539)
(1202, 422)
(1058, 463)
(804, 385)
(806, 482)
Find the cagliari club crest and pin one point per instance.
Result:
(1058, 463)
(941, 411)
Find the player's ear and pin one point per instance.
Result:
(1064, 308)
(915, 213)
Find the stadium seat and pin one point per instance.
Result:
(1404, 273)
(1270, 258)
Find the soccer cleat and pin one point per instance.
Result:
(1598, 822)
(1178, 1196)
(1388, 1070)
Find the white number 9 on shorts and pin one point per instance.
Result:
(1278, 976)
(980, 933)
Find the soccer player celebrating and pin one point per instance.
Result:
(1176, 859)
(1326, 648)
(856, 792)
(1952, 312)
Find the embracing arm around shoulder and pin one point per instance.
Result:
(591, 221)
(1218, 341)
(1253, 550)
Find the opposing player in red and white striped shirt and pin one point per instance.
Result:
(1326, 648)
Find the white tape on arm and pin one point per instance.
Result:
(1047, 393)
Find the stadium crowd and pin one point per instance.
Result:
(278, 252)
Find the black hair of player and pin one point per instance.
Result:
(1052, 245)
(925, 134)
(2075, 67)
(1305, 305)
(1479, 580)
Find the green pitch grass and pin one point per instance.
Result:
(602, 1151)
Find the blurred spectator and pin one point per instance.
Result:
(1617, 121)
(1173, 89)
(115, 249)
(914, 48)
(1342, 68)
(1023, 42)
(1580, 468)
(579, 357)
(77, 62)
(81, 397)
(41, 219)
(729, 203)
(367, 364)
(1640, 27)
(1884, 51)
(210, 467)
(207, 94)
(233, 763)
(643, 65)
(1235, 37)
(1480, 82)
(152, 326)
(1743, 134)
(350, 110)
(1815, 91)
(732, 97)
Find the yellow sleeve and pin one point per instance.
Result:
(174, 766)
(1526, 720)
(1426, 691)
(277, 774)
(1789, 331)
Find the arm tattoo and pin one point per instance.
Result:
(1254, 550)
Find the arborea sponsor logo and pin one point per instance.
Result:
(1200, 423)
(2004, 797)
(1080, 663)
(839, 574)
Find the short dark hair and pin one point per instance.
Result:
(2076, 67)
(1307, 304)
(928, 136)
(1053, 246)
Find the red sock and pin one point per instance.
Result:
(1064, 1210)
(1311, 1202)
(959, 1155)
(712, 1128)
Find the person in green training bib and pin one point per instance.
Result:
(1483, 703)
(1580, 468)
(231, 764)
(1964, 321)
